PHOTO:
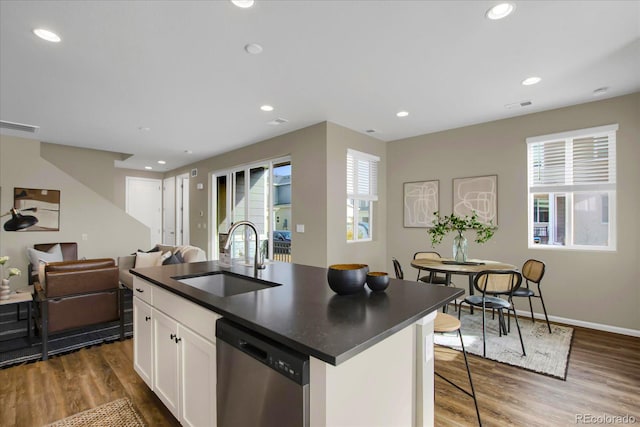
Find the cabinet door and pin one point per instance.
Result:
(198, 376)
(166, 373)
(143, 341)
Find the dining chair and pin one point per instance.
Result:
(431, 277)
(445, 323)
(398, 269)
(532, 272)
(491, 284)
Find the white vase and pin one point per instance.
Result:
(4, 289)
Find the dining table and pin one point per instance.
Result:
(449, 266)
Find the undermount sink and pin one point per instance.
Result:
(224, 284)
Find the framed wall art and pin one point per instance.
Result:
(420, 201)
(45, 205)
(479, 194)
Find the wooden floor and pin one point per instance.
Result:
(603, 379)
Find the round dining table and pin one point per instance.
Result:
(449, 266)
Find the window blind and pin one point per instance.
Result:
(362, 175)
(583, 160)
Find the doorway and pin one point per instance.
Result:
(260, 193)
(144, 203)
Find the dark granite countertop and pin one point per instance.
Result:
(304, 313)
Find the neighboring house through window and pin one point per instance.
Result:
(362, 191)
(572, 189)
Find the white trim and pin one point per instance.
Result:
(594, 131)
(589, 325)
(523, 315)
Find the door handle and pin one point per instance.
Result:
(178, 340)
(172, 336)
(147, 318)
(139, 290)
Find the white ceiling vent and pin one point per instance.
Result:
(517, 105)
(18, 126)
(371, 131)
(277, 121)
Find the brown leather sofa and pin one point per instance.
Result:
(78, 293)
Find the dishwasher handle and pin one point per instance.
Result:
(253, 350)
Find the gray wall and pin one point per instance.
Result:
(589, 286)
(95, 169)
(110, 231)
(307, 148)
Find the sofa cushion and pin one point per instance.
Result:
(151, 259)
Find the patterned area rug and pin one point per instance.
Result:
(119, 413)
(547, 353)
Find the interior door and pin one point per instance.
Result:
(144, 203)
(182, 209)
(169, 211)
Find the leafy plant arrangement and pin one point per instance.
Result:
(445, 224)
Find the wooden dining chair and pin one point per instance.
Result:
(532, 272)
(446, 323)
(492, 284)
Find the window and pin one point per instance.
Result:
(362, 191)
(572, 189)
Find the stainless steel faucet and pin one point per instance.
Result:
(256, 265)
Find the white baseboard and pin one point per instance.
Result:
(581, 323)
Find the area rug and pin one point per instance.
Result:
(119, 413)
(547, 353)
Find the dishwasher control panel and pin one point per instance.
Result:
(278, 357)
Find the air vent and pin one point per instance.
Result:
(18, 126)
(517, 105)
(371, 131)
(277, 121)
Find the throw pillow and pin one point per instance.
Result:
(151, 259)
(52, 255)
(171, 260)
(144, 259)
(179, 257)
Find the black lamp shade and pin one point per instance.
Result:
(19, 221)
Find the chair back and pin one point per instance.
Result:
(398, 269)
(533, 270)
(426, 255)
(496, 282)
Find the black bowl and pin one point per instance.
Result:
(377, 281)
(345, 279)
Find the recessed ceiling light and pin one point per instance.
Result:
(47, 35)
(243, 3)
(402, 113)
(144, 128)
(600, 91)
(188, 152)
(162, 162)
(148, 167)
(253, 48)
(531, 81)
(500, 11)
(266, 108)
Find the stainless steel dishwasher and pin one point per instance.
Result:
(260, 383)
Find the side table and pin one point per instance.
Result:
(18, 298)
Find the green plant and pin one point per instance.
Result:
(445, 224)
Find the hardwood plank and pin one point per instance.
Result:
(603, 378)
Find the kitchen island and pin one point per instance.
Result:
(371, 354)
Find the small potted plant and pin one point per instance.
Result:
(444, 224)
(4, 287)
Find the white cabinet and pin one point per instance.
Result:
(143, 341)
(175, 353)
(198, 378)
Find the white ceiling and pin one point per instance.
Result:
(179, 68)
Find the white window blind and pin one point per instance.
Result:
(583, 160)
(362, 175)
